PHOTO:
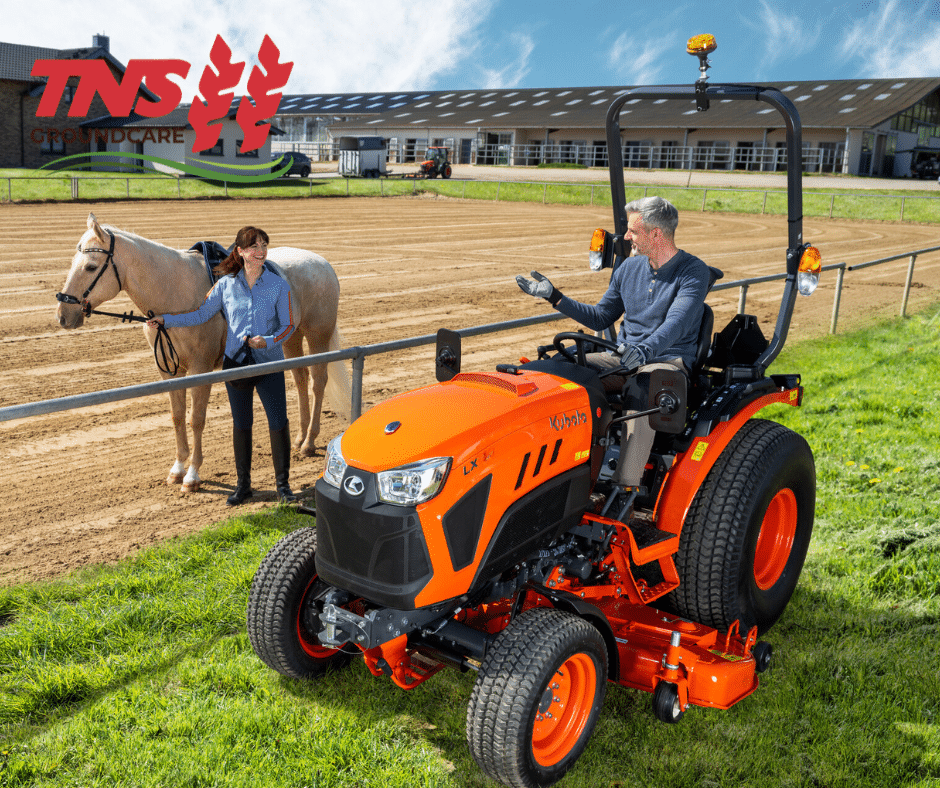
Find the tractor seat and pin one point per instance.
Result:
(704, 337)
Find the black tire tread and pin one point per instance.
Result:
(514, 669)
(712, 542)
(272, 607)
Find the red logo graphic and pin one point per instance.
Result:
(204, 116)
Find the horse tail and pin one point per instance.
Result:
(338, 387)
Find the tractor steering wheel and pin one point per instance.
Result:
(579, 340)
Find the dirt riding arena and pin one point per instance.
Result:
(88, 486)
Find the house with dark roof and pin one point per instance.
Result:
(30, 141)
(879, 127)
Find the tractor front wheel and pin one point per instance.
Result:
(745, 537)
(537, 698)
(283, 613)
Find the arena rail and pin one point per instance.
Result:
(357, 355)
(72, 190)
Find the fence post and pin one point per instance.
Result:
(127, 183)
(498, 184)
(763, 208)
(742, 299)
(704, 198)
(903, 198)
(837, 299)
(832, 202)
(74, 189)
(907, 285)
(178, 192)
(592, 194)
(225, 185)
(544, 192)
(358, 364)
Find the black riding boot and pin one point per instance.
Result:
(280, 454)
(241, 441)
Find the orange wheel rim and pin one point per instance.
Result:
(564, 709)
(311, 647)
(775, 540)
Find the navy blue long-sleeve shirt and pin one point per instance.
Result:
(662, 308)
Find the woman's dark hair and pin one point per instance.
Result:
(246, 237)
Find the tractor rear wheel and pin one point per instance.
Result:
(747, 531)
(537, 698)
(447, 171)
(283, 612)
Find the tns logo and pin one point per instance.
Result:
(565, 420)
(204, 116)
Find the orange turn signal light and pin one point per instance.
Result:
(811, 261)
(597, 240)
(809, 269)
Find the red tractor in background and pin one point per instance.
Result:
(436, 163)
(464, 524)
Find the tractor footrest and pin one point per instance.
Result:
(651, 543)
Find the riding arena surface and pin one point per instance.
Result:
(87, 486)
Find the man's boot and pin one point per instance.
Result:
(280, 454)
(241, 442)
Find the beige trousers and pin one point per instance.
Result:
(637, 436)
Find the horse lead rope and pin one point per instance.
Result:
(164, 354)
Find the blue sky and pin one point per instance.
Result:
(392, 45)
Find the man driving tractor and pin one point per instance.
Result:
(660, 292)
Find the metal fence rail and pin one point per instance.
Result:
(395, 186)
(359, 354)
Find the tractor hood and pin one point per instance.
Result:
(459, 417)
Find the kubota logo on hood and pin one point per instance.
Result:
(565, 420)
(354, 485)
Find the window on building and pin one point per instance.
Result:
(217, 150)
(52, 147)
(251, 154)
(922, 119)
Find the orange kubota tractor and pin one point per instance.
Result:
(462, 524)
(436, 163)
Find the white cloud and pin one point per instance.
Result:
(639, 64)
(335, 45)
(788, 33)
(896, 39)
(513, 72)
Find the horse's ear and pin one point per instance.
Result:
(94, 226)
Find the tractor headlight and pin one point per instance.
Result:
(414, 483)
(335, 466)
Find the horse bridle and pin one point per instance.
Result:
(83, 302)
(163, 351)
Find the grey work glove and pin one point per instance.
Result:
(540, 288)
(632, 356)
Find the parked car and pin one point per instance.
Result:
(299, 162)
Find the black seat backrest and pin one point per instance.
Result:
(704, 336)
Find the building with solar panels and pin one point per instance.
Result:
(876, 127)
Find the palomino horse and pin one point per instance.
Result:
(166, 280)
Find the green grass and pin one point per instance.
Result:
(882, 205)
(141, 674)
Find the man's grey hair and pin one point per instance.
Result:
(656, 212)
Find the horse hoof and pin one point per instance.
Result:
(308, 450)
(174, 479)
(190, 487)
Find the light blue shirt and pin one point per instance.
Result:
(264, 310)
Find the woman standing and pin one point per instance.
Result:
(256, 304)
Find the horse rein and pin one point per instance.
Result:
(164, 354)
